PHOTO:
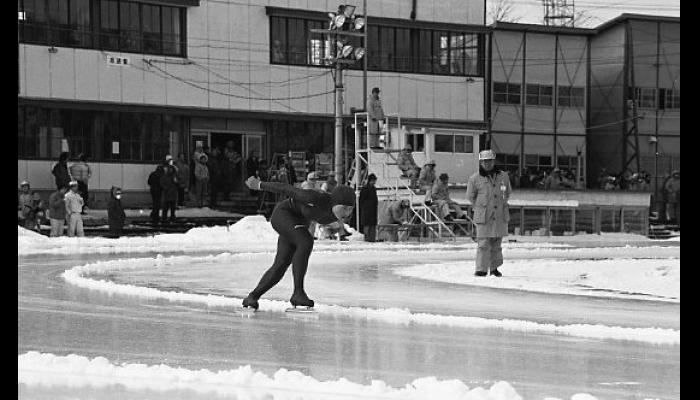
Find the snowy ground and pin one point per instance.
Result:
(619, 292)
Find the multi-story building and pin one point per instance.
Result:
(635, 110)
(538, 98)
(128, 82)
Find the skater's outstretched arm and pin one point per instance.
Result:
(304, 196)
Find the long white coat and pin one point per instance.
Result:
(489, 197)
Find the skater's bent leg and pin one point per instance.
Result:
(483, 254)
(304, 245)
(271, 277)
(496, 253)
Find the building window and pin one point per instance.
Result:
(570, 96)
(450, 143)
(506, 93)
(43, 133)
(538, 162)
(669, 99)
(389, 48)
(416, 140)
(113, 25)
(538, 95)
(509, 162)
(645, 97)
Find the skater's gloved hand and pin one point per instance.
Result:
(253, 183)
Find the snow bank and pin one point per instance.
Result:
(655, 279)
(77, 276)
(73, 371)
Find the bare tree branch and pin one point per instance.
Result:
(503, 11)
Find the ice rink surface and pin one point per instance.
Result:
(61, 318)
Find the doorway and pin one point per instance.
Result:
(235, 147)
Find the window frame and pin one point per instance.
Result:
(99, 28)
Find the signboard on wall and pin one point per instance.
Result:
(115, 147)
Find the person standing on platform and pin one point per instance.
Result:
(376, 119)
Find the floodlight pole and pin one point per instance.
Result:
(339, 123)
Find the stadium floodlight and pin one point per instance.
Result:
(359, 23)
(347, 50)
(348, 10)
(359, 53)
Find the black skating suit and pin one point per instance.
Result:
(291, 219)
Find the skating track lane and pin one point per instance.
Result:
(59, 318)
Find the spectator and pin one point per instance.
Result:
(443, 203)
(183, 178)
(638, 183)
(198, 153)
(263, 171)
(252, 164)
(201, 177)
(407, 165)
(395, 214)
(156, 192)
(555, 181)
(329, 184)
(488, 190)
(74, 208)
(672, 190)
(525, 178)
(60, 171)
(57, 211)
(368, 205)
(310, 182)
(215, 176)
(168, 185)
(81, 172)
(115, 212)
(291, 173)
(31, 207)
(277, 52)
(376, 119)
(426, 179)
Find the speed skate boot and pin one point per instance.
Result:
(301, 300)
(250, 302)
(496, 273)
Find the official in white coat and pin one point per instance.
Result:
(488, 190)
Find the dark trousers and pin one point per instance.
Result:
(180, 196)
(155, 199)
(370, 232)
(83, 190)
(169, 205)
(294, 247)
(214, 190)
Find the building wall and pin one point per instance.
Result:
(606, 92)
(229, 45)
(651, 41)
(549, 59)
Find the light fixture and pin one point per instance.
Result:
(347, 50)
(359, 53)
(349, 10)
(339, 21)
(359, 23)
(53, 50)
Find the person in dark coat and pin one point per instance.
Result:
(252, 164)
(169, 185)
(156, 191)
(215, 176)
(290, 219)
(115, 212)
(60, 171)
(368, 209)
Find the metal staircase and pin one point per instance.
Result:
(383, 163)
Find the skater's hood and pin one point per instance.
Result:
(344, 195)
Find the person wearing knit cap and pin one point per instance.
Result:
(290, 218)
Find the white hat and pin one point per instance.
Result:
(311, 175)
(487, 155)
(73, 183)
(24, 183)
(168, 157)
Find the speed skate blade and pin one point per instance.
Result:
(248, 312)
(301, 310)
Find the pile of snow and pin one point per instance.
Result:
(621, 277)
(74, 371)
(78, 276)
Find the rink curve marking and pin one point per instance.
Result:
(76, 276)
